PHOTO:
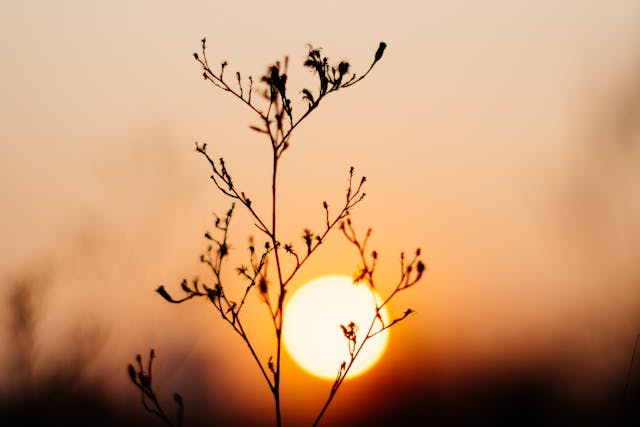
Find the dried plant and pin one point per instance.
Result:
(277, 121)
(143, 380)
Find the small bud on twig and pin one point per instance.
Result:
(380, 51)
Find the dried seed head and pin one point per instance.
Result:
(263, 284)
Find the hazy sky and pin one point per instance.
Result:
(499, 136)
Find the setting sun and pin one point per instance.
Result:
(312, 333)
(188, 191)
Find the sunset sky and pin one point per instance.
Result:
(500, 137)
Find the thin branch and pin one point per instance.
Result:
(353, 197)
(411, 273)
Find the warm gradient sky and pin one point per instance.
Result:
(499, 136)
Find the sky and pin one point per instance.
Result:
(500, 137)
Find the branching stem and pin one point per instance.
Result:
(277, 122)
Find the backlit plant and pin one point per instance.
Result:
(266, 271)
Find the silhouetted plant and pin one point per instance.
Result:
(277, 121)
(143, 379)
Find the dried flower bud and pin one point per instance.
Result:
(132, 372)
(223, 250)
(307, 235)
(164, 294)
(380, 51)
(343, 68)
(183, 285)
(262, 284)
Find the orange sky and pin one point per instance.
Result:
(501, 137)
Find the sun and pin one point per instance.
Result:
(312, 334)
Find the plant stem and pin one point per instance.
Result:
(276, 383)
(326, 405)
